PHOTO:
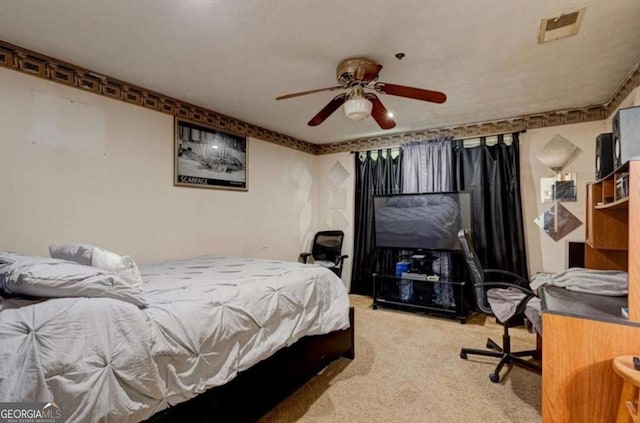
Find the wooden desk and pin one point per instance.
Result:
(563, 302)
(583, 333)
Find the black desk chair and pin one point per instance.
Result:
(326, 251)
(511, 298)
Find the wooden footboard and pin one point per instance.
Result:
(256, 390)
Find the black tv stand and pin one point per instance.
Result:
(418, 291)
(419, 303)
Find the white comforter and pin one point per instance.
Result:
(208, 318)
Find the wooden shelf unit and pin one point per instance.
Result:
(607, 229)
(578, 381)
(621, 203)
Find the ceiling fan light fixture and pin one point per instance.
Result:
(357, 108)
(355, 75)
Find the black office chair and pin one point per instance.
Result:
(502, 296)
(326, 251)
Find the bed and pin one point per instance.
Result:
(213, 329)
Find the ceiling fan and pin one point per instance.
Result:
(357, 75)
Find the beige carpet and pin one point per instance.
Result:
(407, 369)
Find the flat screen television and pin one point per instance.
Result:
(429, 221)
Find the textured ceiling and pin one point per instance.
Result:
(235, 57)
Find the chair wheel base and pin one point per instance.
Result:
(463, 355)
(495, 378)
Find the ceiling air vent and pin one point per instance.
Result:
(564, 25)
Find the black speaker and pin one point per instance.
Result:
(604, 155)
(626, 135)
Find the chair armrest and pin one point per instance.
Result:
(507, 273)
(340, 259)
(304, 257)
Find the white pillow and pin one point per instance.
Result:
(80, 253)
(90, 255)
(123, 266)
(53, 278)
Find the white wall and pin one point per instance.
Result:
(336, 190)
(101, 171)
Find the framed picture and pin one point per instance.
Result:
(205, 157)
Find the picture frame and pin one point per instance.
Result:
(207, 157)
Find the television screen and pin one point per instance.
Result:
(421, 221)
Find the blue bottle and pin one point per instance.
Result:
(405, 286)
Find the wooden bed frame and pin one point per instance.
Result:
(256, 390)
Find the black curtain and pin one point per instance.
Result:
(492, 174)
(377, 172)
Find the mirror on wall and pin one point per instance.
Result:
(558, 222)
(558, 153)
(562, 187)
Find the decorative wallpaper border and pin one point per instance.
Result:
(472, 130)
(632, 81)
(40, 65)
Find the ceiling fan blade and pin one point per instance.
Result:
(367, 72)
(327, 110)
(380, 113)
(410, 92)
(286, 96)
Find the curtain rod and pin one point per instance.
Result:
(522, 131)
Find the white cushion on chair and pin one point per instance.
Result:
(503, 302)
